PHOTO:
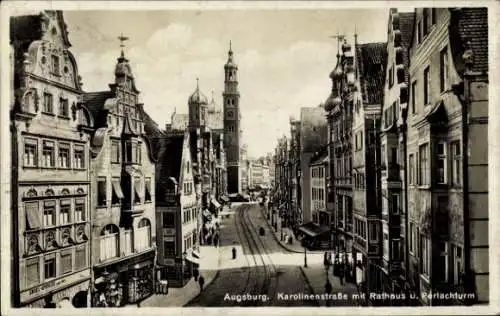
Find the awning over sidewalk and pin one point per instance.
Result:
(224, 198)
(215, 203)
(192, 259)
(313, 230)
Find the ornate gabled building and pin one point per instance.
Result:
(447, 152)
(393, 164)
(51, 176)
(177, 210)
(339, 107)
(123, 193)
(369, 70)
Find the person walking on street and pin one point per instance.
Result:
(201, 281)
(328, 290)
(216, 240)
(196, 273)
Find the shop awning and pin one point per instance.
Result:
(215, 203)
(224, 198)
(313, 230)
(196, 254)
(192, 259)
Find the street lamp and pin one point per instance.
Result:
(305, 251)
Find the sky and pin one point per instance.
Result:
(284, 58)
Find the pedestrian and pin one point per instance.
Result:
(216, 240)
(201, 281)
(328, 287)
(341, 275)
(196, 274)
(48, 302)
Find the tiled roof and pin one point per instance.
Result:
(313, 129)
(406, 28)
(371, 60)
(153, 132)
(469, 30)
(169, 162)
(94, 101)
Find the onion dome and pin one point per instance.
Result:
(337, 72)
(198, 97)
(329, 104)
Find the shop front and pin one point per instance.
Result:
(317, 237)
(126, 282)
(58, 293)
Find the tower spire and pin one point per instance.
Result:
(122, 44)
(197, 84)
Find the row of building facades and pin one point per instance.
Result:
(106, 205)
(391, 172)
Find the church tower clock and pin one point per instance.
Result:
(231, 99)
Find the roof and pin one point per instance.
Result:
(313, 129)
(153, 132)
(169, 160)
(94, 101)
(371, 60)
(469, 31)
(406, 28)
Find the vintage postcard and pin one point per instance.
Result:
(238, 155)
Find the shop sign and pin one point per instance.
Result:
(53, 284)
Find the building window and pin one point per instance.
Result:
(373, 231)
(55, 65)
(66, 262)
(444, 69)
(391, 77)
(441, 163)
(395, 203)
(129, 241)
(412, 237)
(48, 106)
(79, 210)
(425, 259)
(168, 220)
(442, 264)
(30, 152)
(33, 220)
(382, 155)
(457, 264)
(396, 250)
(427, 87)
(411, 169)
(79, 157)
(169, 248)
(419, 32)
(80, 258)
(117, 193)
(138, 155)
(48, 154)
(50, 267)
(143, 235)
(109, 242)
(424, 164)
(64, 212)
(64, 155)
(128, 152)
(49, 213)
(386, 246)
(456, 163)
(147, 192)
(32, 272)
(115, 151)
(425, 22)
(137, 190)
(413, 96)
(63, 107)
(101, 192)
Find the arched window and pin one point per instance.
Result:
(109, 242)
(143, 235)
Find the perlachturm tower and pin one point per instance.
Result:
(232, 117)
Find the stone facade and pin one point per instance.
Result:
(50, 167)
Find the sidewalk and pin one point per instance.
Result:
(295, 246)
(316, 279)
(210, 261)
